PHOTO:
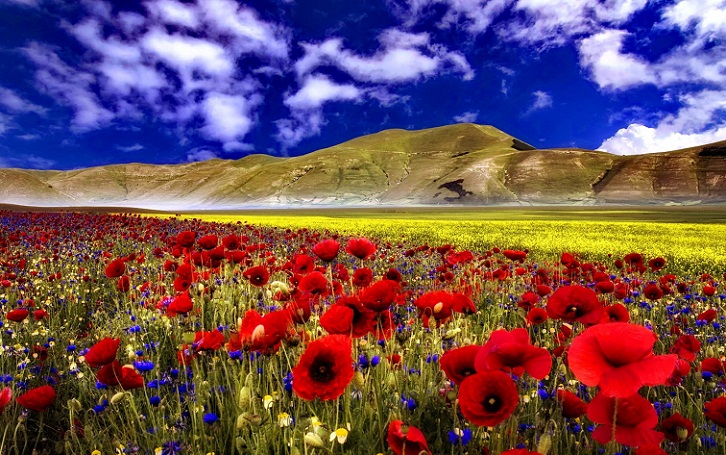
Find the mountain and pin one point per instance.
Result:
(457, 164)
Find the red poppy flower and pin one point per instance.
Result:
(186, 239)
(380, 295)
(302, 264)
(5, 396)
(406, 439)
(572, 405)
(181, 304)
(103, 352)
(348, 316)
(652, 292)
(512, 351)
(677, 428)
(125, 376)
(37, 399)
(124, 284)
(231, 242)
(514, 255)
(17, 315)
(258, 276)
(686, 347)
(314, 283)
(458, 364)
(39, 315)
(633, 425)
(488, 398)
(325, 368)
(361, 248)
(208, 341)
(619, 358)
(208, 242)
(616, 312)
(656, 264)
(362, 277)
(115, 268)
(575, 303)
(708, 315)
(716, 411)
(537, 316)
(261, 333)
(327, 250)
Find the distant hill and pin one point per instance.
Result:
(462, 164)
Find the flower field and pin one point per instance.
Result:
(177, 335)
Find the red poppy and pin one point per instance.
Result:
(186, 239)
(327, 250)
(572, 406)
(380, 295)
(713, 365)
(125, 376)
(39, 315)
(302, 264)
(208, 341)
(512, 352)
(231, 242)
(314, 283)
(406, 439)
(37, 399)
(348, 316)
(652, 292)
(716, 411)
(261, 333)
(5, 396)
(258, 276)
(181, 304)
(458, 364)
(436, 304)
(631, 419)
(680, 371)
(362, 277)
(619, 358)
(515, 255)
(103, 352)
(488, 398)
(208, 242)
(17, 315)
(616, 312)
(537, 316)
(708, 315)
(361, 248)
(575, 303)
(325, 368)
(115, 268)
(686, 347)
(124, 284)
(656, 264)
(677, 428)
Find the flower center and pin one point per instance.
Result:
(492, 403)
(322, 371)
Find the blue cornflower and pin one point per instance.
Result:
(210, 418)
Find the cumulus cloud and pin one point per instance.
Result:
(466, 117)
(174, 13)
(228, 118)
(201, 154)
(542, 100)
(610, 68)
(701, 120)
(70, 86)
(403, 57)
(16, 104)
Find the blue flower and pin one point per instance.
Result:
(154, 400)
(210, 418)
(462, 437)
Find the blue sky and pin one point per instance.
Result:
(88, 82)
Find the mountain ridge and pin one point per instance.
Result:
(461, 164)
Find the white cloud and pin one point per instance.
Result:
(4, 123)
(201, 154)
(542, 100)
(318, 90)
(611, 69)
(698, 122)
(28, 137)
(187, 54)
(14, 103)
(466, 117)
(404, 57)
(26, 161)
(227, 118)
(130, 148)
(69, 86)
(706, 19)
(174, 13)
(251, 34)
(291, 131)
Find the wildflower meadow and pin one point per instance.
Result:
(130, 334)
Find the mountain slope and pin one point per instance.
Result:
(456, 164)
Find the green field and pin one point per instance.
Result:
(692, 239)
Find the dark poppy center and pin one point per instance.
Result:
(492, 403)
(468, 372)
(322, 371)
(575, 311)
